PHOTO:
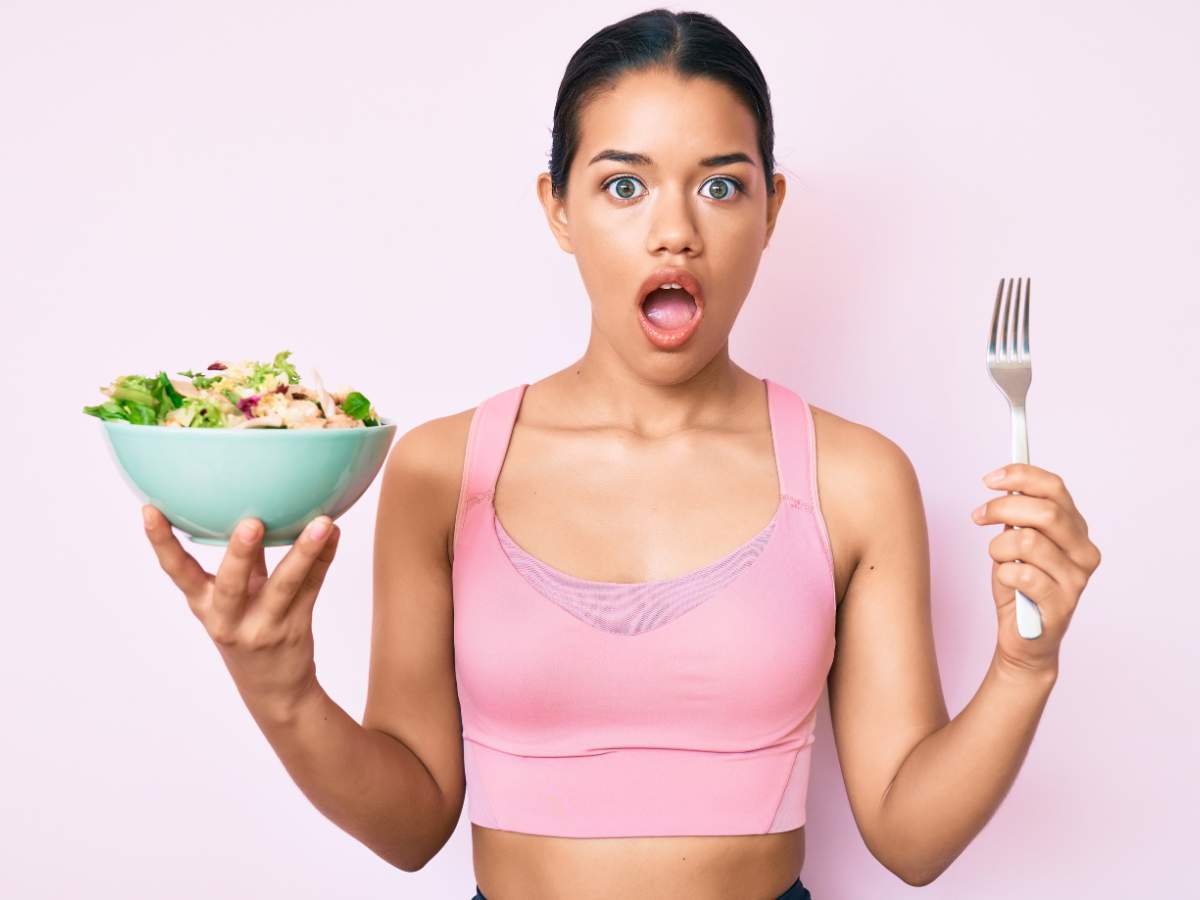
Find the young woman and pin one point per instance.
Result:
(606, 603)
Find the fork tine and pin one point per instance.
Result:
(1008, 342)
(991, 349)
(1019, 318)
(1025, 323)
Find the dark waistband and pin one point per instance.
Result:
(796, 892)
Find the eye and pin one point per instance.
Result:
(721, 192)
(623, 192)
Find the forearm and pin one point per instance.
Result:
(366, 782)
(953, 781)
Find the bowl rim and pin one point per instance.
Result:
(120, 424)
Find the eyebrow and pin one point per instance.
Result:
(640, 159)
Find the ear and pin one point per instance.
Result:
(774, 203)
(556, 212)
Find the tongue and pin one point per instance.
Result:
(669, 309)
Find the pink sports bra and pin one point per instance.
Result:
(676, 707)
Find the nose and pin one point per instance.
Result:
(673, 224)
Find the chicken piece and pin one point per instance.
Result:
(301, 413)
(271, 421)
(341, 420)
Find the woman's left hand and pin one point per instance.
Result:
(1057, 559)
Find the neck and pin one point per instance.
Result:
(653, 400)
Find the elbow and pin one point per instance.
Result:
(918, 873)
(416, 858)
(912, 862)
(414, 861)
(917, 878)
(408, 863)
(405, 856)
(911, 869)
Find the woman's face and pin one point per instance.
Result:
(624, 218)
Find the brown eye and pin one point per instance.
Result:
(721, 189)
(624, 185)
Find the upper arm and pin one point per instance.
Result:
(885, 694)
(412, 693)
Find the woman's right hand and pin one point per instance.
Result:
(262, 625)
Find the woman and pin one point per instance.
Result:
(579, 612)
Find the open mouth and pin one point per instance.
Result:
(670, 306)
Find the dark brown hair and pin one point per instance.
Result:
(687, 43)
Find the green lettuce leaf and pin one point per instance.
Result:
(111, 410)
(200, 413)
(283, 366)
(356, 406)
(200, 381)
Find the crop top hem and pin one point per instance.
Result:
(638, 792)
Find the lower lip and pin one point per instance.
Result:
(669, 340)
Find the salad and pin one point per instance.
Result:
(248, 394)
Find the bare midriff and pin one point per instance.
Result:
(511, 865)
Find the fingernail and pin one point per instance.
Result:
(994, 477)
(147, 516)
(248, 531)
(318, 529)
(977, 513)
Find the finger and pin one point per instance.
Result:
(258, 572)
(1047, 516)
(1031, 546)
(1032, 481)
(189, 576)
(289, 577)
(233, 575)
(306, 597)
(259, 569)
(1035, 584)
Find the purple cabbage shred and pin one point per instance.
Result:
(247, 404)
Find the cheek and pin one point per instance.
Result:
(609, 269)
(737, 233)
(595, 235)
(734, 252)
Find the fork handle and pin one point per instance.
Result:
(1029, 617)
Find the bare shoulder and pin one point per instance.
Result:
(865, 458)
(860, 471)
(428, 459)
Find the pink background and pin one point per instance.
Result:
(355, 182)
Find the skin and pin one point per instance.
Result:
(630, 441)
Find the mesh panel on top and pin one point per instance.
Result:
(631, 608)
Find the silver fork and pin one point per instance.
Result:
(1011, 369)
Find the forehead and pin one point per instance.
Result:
(669, 118)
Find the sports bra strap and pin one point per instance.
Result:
(795, 450)
(487, 441)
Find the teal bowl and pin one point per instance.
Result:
(206, 480)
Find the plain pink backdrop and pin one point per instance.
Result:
(355, 182)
